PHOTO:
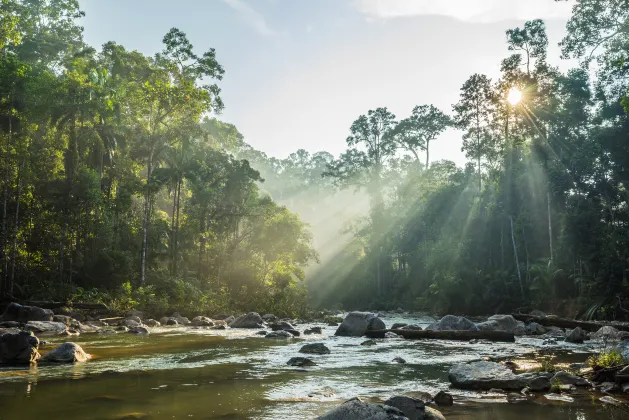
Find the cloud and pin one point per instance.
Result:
(478, 11)
(252, 17)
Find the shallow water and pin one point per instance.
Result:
(177, 373)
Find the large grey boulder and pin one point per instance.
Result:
(606, 333)
(533, 328)
(279, 335)
(152, 323)
(250, 320)
(355, 409)
(576, 336)
(47, 327)
(315, 348)
(131, 322)
(202, 321)
(412, 408)
(500, 323)
(181, 320)
(433, 414)
(23, 314)
(486, 375)
(66, 353)
(357, 324)
(19, 348)
(452, 323)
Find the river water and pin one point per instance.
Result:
(186, 373)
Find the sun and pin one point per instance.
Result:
(515, 96)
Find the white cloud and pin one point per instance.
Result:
(253, 17)
(481, 11)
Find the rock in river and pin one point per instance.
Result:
(486, 375)
(411, 408)
(250, 320)
(564, 378)
(451, 322)
(46, 327)
(19, 348)
(356, 324)
(202, 321)
(138, 330)
(66, 353)
(355, 409)
(500, 323)
(576, 336)
(444, 399)
(606, 333)
(23, 314)
(313, 330)
(279, 335)
(152, 323)
(315, 348)
(300, 362)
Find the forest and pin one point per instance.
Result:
(120, 184)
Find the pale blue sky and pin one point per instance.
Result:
(298, 72)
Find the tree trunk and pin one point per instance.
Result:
(145, 222)
(427, 154)
(177, 226)
(172, 233)
(16, 226)
(201, 244)
(5, 197)
(480, 178)
(550, 228)
(515, 256)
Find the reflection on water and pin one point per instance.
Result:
(234, 374)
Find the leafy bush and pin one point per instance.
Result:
(606, 359)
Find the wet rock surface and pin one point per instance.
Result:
(485, 375)
(19, 348)
(451, 322)
(356, 324)
(355, 409)
(66, 353)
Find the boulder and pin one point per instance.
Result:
(202, 321)
(172, 321)
(399, 360)
(576, 336)
(23, 314)
(69, 321)
(47, 327)
(138, 330)
(398, 325)
(279, 335)
(356, 324)
(368, 343)
(443, 399)
(250, 320)
(451, 322)
(281, 325)
(533, 328)
(136, 319)
(152, 323)
(315, 348)
(66, 353)
(181, 320)
(499, 323)
(390, 334)
(268, 317)
(295, 333)
(313, 330)
(606, 333)
(131, 323)
(433, 414)
(412, 327)
(300, 362)
(19, 348)
(355, 409)
(486, 375)
(564, 378)
(411, 408)
(263, 332)
(623, 349)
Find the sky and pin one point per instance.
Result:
(299, 72)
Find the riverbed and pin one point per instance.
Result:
(194, 373)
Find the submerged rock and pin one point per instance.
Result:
(576, 336)
(66, 353)
(451, 322)
(202, 321)
(486, 375)
(564, 378)
(313, 330)
(19, 348)
(23, 313)
(399, 360)
(398, 325)
(411, 408)
(279, 335)
(356, 324)
(315, 348)
(355, 409)
(250, 320)
(368, 343)
(300, 362)
(281, 325)
(138, 330)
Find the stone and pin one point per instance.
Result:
(313, 330)
(229, 320)
(136, 319)
(262, 332)
(606, 333)
(564, 378)
(24, 314)
(623, 349)
(295, 333)
(609, 387)
(533, 328)
(485, 375)
(47, 327)
(413, 409)
(368, 343)
(202, 321)
(281, 325)
(66, 353)
(390, 334)
(268, 317)
(551, 341)
(9, 324)
(357, 324)
(170, 321)
(412, 327)
(122, 328)
(69, 321)
(315, 348)
(500, 323)
(250, 320)
(181, 320)
(443, 399)
(355, 409)
(131, 323)
(279, 335)
(398, 325)
(451, 322)
(138, 330)
(433, 414)
(300, 362)
(576, 336)
(399, 360)
(19, 348)
(152, 323)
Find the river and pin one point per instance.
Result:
(186, 373)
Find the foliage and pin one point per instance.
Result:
(606, 359)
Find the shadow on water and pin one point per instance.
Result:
(234, 374)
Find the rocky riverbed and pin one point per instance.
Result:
(204, 368)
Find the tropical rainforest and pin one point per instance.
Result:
(120, 184)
